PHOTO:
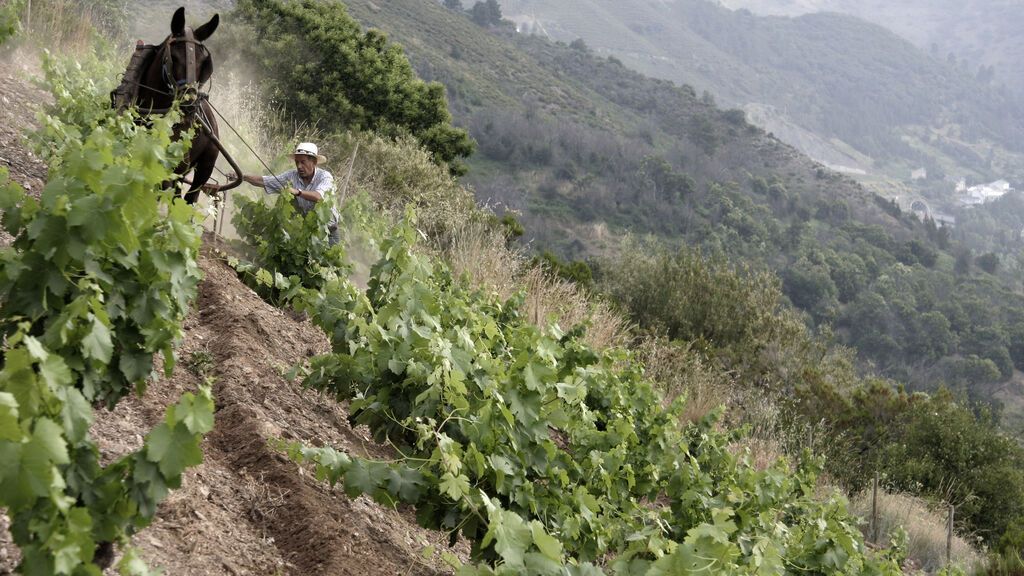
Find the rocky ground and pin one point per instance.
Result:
(247, 509)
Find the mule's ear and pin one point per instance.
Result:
(178, 22)
(206, 30)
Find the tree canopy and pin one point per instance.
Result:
(327, 71)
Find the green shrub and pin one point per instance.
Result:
(10, 21)
(548, 456)
(292, 249)
(370, 84)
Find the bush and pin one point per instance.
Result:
(371, 85)
(291, 248)
(10, 22)
(399, 172)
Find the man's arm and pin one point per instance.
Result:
(253, 179)
(316, 193)
(250, 178)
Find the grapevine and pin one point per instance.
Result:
(99, 279)
(291, 249)
(548, 456)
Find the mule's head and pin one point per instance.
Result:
(186, 61)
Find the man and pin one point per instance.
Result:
(307, 183)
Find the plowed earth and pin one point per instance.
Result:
(247, 509)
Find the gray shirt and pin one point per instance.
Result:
(322, 182)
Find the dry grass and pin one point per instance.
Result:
(62, 26)
(480, 252)
(245, 121)
(925, 526)
(681, 371)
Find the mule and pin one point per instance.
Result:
(176, 70)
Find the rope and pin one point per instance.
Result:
(254, 153)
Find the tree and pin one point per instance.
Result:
(964, 260)
(454, 5)
(810, 288)
(988, 262)
(486, 13)
(327, 71)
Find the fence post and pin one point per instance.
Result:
(874, 510)
(351, 165)
(949, 535)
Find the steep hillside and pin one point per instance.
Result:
(582, 127)
(247, 509)
(981, 35)
(836, 76)
(518, 401)
(588, 151)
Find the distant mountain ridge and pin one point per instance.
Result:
(982, 33)
(836, 76)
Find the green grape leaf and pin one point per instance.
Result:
(35, 348)
(542, 565)
(10, 456)
(97, 344)
(547, 544)
(264, 277)
(530, 378)
(48, 442)
(10, 192)
(512, 537)
(39, 459)
(396, 366)
(76, 414)
(131, 564)
(404, 483)
(358, 479)
(173, 450)
(135, 367)
(454, 486)
(76, 546)
(9, 428)
(196, 412)
(55, 371)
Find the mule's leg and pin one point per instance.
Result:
(206, 160)
(203, 169)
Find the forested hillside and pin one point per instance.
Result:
(875, 101)
(589, 151)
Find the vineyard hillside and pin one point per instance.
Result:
(246, 509)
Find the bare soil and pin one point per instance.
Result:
(247, 509)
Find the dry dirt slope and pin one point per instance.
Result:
(246, 509)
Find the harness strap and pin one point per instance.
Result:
(191, 72)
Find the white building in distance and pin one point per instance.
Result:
(982, 193)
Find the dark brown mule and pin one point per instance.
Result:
(176, 69)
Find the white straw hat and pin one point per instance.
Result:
(309, 149)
